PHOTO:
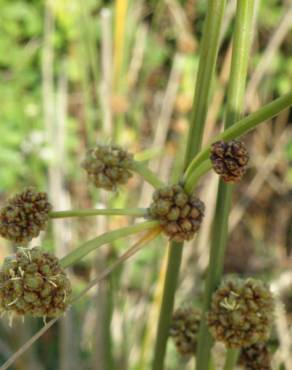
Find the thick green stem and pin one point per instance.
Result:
(235, 99)
(212, 364)
(194, 177)
(172, 273)
(213, 277)
(80, 252)
(231, 359)
(208, 57)
(242, 127)
(147, 175)
(138, 212)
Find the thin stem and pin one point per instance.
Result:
(208, 57)
(250, 122)
(80, 252)
(231, 359)
(138, 212)
(145, 239)
(235, 99)
(148, 175)
(243, 126)
(194, 177)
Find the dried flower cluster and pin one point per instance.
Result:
(256, 357)
(25, 215)
(108, 166)
(33, 283)
(180, 215)
(229, 160)
(184, 329)
(241, 313)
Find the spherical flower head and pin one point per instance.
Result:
(255, 357)
(180, 215)
(33, 283)
(241, 313)
(25, 216)
(184, 329)
(229, 160)
(108, 166)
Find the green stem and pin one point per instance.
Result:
(231, 359)
(212, 364)
(78, 253)
(172, 272)
(208, 57)
(138, 212)
(194, 177)
(148, 175)
(243, 126)
(235, 100)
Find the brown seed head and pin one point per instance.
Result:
(256, 357)
(184, 329)
(108, 166)
(25, 215)
(229, 160)
(241, 313)
(180, 215)
(33, 283)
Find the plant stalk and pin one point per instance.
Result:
(137, 212)
(231, 359)
(147, 175)
(140, 243)
(80, 252)
(235, 100)
(170, 283)
(208, 57)
(194, 177)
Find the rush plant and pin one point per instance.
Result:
(33, 283)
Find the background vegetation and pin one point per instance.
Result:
(77, 72)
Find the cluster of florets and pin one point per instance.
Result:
(180, 215)
(229, 160)
(33, 283)
(25, 215)
(184, 329)
(108, 166)
(241, 313)
(256, 357)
